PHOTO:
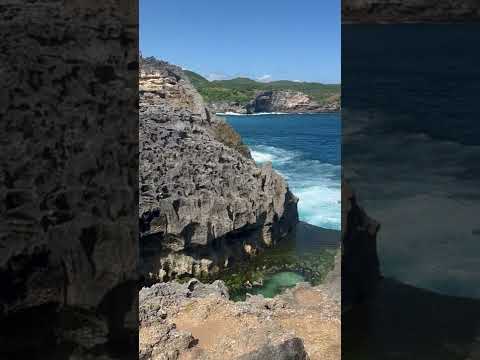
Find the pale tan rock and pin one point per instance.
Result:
(287, 101)
(302, 323)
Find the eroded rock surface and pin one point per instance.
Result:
(204, 203)
(288, 102)
(278, 101)
(198, 321)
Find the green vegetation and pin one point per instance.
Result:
(266, 267)
(274, 270)
(242, 90)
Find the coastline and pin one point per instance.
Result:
(204, 246)
(228, 113)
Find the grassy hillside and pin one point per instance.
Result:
(242, 90)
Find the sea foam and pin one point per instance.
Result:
(264, 153)
(316, 184)
(229, 113)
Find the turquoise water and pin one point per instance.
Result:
(305, 149)
(276, 283)
(305, 256)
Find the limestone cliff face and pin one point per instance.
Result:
(203, 201)
(409, 10)
(288, 102)
(360, 265)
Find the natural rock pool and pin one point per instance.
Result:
(306, 256)
(277, 282)
(305, 150)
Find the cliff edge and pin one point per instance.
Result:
(204, 203)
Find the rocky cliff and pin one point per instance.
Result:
(204, 203)
(287, 102)
(360, 264)
(391, 11)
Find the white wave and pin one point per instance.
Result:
(315, 183)
(260, 157)
(229, 113)
(263, 153)
(269, 113)
(320, 205)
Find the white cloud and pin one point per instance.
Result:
(265, 78)
(217, 76)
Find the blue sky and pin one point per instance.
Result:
(269, 39)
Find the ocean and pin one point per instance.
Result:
(411, 152)
(411, 148)
(305, 150)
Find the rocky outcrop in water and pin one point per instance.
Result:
(287, 102)
(198, 321)
(204, 203)
(360, 265)
(392, 11)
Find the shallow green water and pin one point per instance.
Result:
(276, 283)
(306, 257)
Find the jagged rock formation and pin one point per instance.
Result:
(197, 321)
(68, 245)
(203, 201)
(360, 265)
(287, 102)
(391, 11)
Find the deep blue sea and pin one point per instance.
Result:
(305, 149)
(411, 148)
(411, 153)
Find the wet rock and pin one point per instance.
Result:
(258, 282)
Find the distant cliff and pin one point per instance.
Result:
(287, 102)
(204, 203)
(243, 95)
